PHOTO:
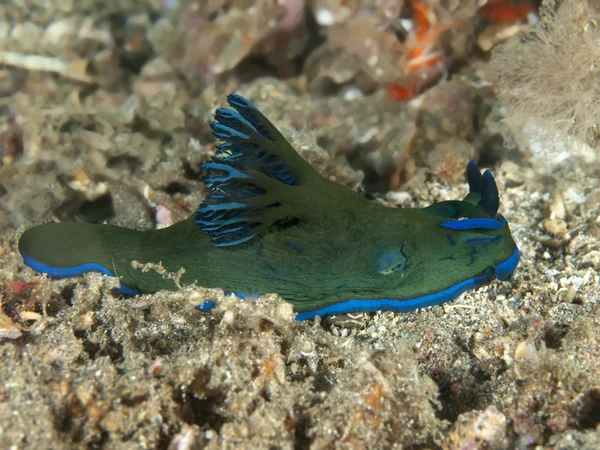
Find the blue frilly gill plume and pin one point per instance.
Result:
(271, 223)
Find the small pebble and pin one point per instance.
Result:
(526, 359)
(555, 227)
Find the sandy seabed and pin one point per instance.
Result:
(510, 365)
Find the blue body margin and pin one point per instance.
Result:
(502, 271)
(63, 272)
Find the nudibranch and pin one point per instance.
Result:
(272, 223)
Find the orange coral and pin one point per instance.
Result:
(504, 12)
(424, 62)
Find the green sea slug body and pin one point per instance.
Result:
(271, 223)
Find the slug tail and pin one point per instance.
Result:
(71, 249)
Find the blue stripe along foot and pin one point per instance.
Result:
(503, 271)
(64, 272)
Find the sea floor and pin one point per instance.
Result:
(512, 364)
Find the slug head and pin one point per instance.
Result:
(422, 257)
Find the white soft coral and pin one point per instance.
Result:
(549, 80)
